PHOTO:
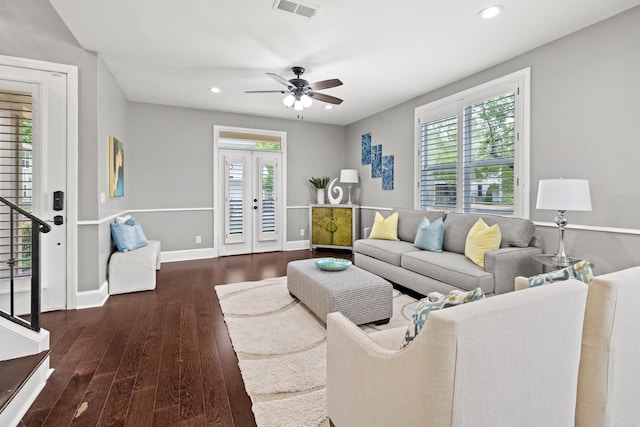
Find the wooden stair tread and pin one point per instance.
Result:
(14, 373)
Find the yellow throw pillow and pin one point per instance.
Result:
(385, 228)
(481, 238)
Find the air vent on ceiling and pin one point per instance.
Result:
(296, 7)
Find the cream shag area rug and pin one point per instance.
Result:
(281, 348)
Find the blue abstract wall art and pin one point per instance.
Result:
(376, 161)
(366, 148)
(387, 172)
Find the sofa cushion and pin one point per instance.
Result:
(481, 239)
(430, 235)
(449, 267)
(389, 251)
(515, 231)
(409, 219)
(385, 228)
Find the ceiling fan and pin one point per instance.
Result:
(301, 92)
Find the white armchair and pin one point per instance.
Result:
(609, 379)
(508, 360)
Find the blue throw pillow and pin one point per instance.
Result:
(140, 237)
(430, 235)
(128, 237)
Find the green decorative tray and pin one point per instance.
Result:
(333, 264)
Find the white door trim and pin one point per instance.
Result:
(218, 210)
(72, 162)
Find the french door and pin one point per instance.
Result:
(33, 165)
(250, 201)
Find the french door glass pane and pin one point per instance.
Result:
(16, 179)
(268, 196)
(235, 198)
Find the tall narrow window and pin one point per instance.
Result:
(16, 176)
(470, 151)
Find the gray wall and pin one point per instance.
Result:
(172, 158)
(584, 92)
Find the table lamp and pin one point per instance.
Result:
(563, 195)
(349, 177)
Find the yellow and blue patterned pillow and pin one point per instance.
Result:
(581, 271)
(427, 305)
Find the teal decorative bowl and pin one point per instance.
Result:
(333, 264)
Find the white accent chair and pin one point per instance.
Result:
(609, 378)
(509, 360)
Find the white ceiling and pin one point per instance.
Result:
(170, 52)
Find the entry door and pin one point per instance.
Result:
(251, 204)
(33, 140)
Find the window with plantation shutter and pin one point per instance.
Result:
(16, 178)
(472, 150)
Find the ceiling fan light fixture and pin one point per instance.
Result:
(298, 105)
(306, 101)
(289, 100)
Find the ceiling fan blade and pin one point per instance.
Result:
(325, 84)
(279, 79)
(325, 98)
(266, 91)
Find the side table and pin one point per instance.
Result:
(551, 261)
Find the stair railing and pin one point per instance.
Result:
(37, 226)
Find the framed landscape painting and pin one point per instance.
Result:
(116, 167)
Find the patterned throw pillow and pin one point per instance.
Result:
(554, 276)
(427, 305)
(582, 271)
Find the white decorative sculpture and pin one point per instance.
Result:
(337, 190)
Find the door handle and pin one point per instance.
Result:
(57, 220)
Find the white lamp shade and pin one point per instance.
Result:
(564, 195)
(349, 176)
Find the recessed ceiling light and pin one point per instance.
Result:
(490, 12)
(214, 89)
(328, 107)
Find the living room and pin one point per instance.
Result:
(584, 78)
(583, 106)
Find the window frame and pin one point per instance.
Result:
(451, 105)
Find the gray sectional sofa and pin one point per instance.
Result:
(424, 271)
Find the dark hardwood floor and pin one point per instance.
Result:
(160, 358)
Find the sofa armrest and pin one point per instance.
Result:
(507, 263)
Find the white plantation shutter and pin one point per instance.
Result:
(235, 197)
(267, 194)
(488, 146)
(468, 150)
(439, 163)
(16, 178)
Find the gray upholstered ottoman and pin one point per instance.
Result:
(361, 296)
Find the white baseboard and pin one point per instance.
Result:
(296, 245)
(18, 341)
(88, 299)
(187, 255)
